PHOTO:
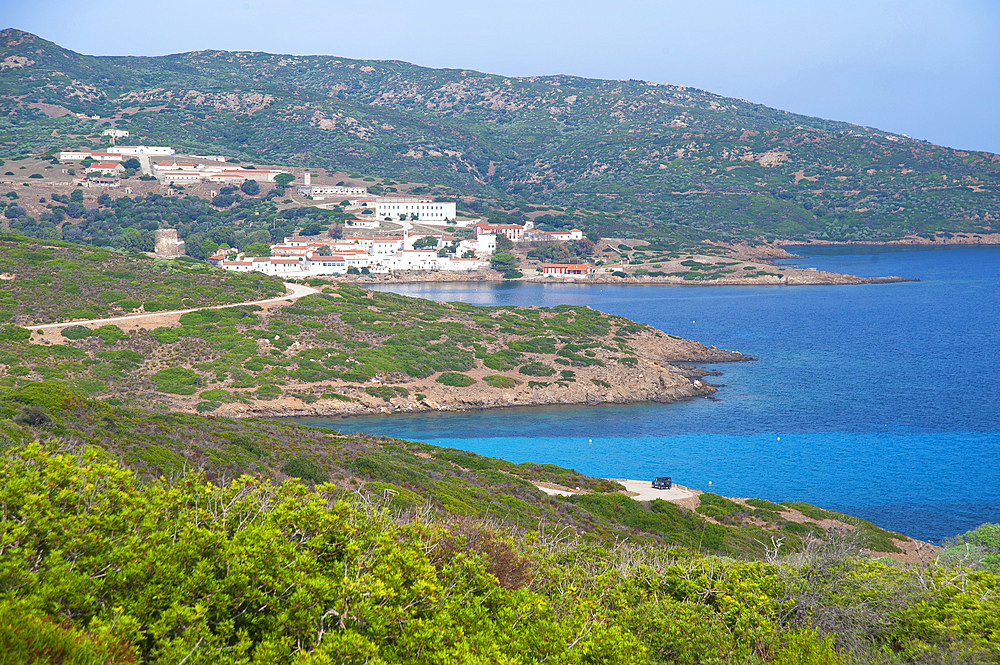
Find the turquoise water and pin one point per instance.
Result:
(878, 400)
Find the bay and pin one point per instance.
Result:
(876, 400)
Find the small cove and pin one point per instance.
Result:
(878, 400)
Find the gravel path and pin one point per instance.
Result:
(296, 291)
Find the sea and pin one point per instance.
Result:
(878, 400)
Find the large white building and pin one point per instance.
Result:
(426, 210)
(141, 150)
(332, 190)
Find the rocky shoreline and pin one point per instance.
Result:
(665, 371)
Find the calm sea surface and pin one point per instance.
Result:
(878, 400)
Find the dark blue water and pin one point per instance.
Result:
(877, 400)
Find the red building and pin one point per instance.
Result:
(568, 269)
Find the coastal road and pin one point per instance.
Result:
(295, 291)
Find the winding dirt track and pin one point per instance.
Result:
(296, 291)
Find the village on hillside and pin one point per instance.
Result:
(390, 234)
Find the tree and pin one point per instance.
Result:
(504, 262)
(504, 244)
(324, 251)
(425, 242)
(76, 196)
(209, 247)
(257, 249)
(132, 164)
(284, 179)
(250, 187)
(14, 211)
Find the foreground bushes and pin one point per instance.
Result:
(99, 568)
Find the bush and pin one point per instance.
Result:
(455, 379)
(501, 381)
(177, 381)
(10, 333)
(536, 369)
(305, 469)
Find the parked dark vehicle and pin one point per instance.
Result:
(662, 483)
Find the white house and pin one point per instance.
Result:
(382, 245)
(335, 264)
(112, 168)
(412, 259)
(362, 224)
(513, 231)
(73, 155)
(180, 176)
(278, 265)
(427, 210)
(462, 265)
(116, 133)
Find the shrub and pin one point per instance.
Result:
(204, 407)
(177, 381)
(536, 369)
(455, 379)
(305, 469)
(268, 392)
(501, 381)
(109, 334)
(10, 333)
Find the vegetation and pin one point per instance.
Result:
(411, 554)
(706, 166)
(57, 281)
(324, 346)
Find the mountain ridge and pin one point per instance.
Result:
(620, 157)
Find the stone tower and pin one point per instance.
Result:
(168, 245)
(307, 179)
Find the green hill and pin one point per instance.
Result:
(622, 158)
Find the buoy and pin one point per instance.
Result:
(590, 440)
(779, 438)
(710, 482)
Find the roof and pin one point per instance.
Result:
(568, 266)
(237, 263)
(103, 167)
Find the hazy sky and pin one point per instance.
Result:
(927, 68)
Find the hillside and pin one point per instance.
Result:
(622, 158)
(57, 281)
(417, 554)
(338, 350)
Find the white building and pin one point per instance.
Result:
(361, 224)
(171, 177)
(411, 259)
(96, 155)
(332, 190)
(426, 210)
(334, 264)
(384, 245)
(462, 265)
(116, 133)
(141, 150)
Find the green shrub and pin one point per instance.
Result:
(455, 379)
(536, 369)
(204, 407)
(305, 469)
(501, 381)
(177, 381)
(9, 333)
(268, 392)
(109, 334)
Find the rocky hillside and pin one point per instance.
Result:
(622, 158)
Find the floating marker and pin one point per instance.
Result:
(779, 438)
(710, 482)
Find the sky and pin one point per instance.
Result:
(926, 68)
